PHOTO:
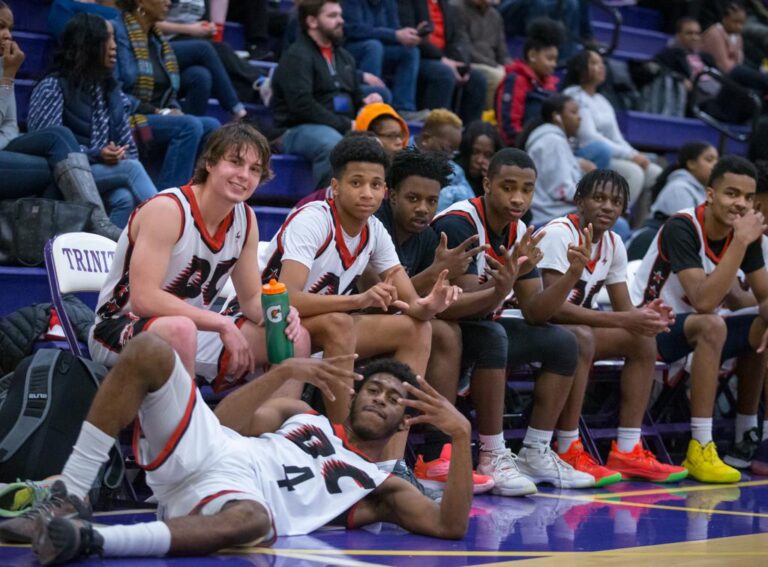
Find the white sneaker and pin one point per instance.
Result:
(543, 465)
(502, 467)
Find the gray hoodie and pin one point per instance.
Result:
(558, 173)
(682, 191)
(9, 127)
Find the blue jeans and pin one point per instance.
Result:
(181, 138)
(313, 142)
(27, 162)
(401, 62)
(135, 187)
(596, 152)
(203, 74)
(438, 87)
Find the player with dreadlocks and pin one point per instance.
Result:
(625, 332)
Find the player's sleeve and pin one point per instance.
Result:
(680, 244)
(554, 248)
(304, 235)
(457, 229)
(384, 255)
(753, 257)
(618, 271)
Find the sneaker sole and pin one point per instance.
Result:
(609, 479)
(635, 475)
(557, 484)
(711, 480)
(523, 491)
(440, 485)
(737, 463)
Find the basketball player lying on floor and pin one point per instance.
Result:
(243, 477)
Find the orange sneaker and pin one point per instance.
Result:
(582, 461)
(640, 463)
(434, 474)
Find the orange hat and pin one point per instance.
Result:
(371, 112)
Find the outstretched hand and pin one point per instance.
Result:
(528, 248)
(434, 409)
(325, 373)
(456, 260)
(580, 255)
(442, 296)
(383, 295)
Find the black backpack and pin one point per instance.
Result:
(46, 401)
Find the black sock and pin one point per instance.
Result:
(433, 444)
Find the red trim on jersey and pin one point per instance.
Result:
(479, 204)
(707, 250)
(219, 382)
(169, 195)
(347, 258)
(173, 440)
(215, 242)
(574, 218)
(149, 323)
(341, 433)
(248, 223)
(200, 505)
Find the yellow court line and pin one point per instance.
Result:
(695, 488)
(291, 554)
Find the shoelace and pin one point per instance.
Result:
(560, 465)
(44, 502)
(505, 463)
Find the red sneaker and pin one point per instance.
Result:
(640, 463)
(434, 474)
(582, 461)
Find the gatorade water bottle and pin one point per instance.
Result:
(274, 301)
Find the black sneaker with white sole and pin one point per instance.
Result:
(742, 452)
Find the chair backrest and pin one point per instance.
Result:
(75, 262)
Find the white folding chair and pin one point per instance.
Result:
(603, 299)
(76, 262)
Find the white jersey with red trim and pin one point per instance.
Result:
(655, 278)
(313, 236)
(608, 265)
(308, 472)
(473, 211)
(199, 265)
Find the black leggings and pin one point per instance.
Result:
(554, 347)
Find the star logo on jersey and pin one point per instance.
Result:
(657, 276)
(237, 236)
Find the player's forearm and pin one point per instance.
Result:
(712, 289)
(311, 304)
(252, 309)
(159, 303)
(543, 306)
(570, 314)
(457, 498)
(237, 409)
(424, 281)
(473, 304)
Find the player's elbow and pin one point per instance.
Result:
(455, 530)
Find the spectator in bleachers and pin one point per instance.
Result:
(479, 144)
(82, 95)
(316, 90)
(586, 72)
(723, 41)
(61, 11)
(149, 74)
(386, 123)
(201, 72)
(529, 80)
(263, 22)
(546, 140)
(682, 185)
(380, 45)
(29, 163)
(446, 76)
(484, 27)
(186, 25)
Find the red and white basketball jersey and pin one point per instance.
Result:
(655, 278)
(608, 265)
(200, 263)
(472, 210)
(309, 474)
(313, 236)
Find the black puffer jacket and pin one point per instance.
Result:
(20, 329)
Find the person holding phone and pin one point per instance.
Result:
(446, 79)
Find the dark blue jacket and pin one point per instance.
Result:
(371, 19)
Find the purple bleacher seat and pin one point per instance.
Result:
(293, 180)
(30, 15)
(22, 287)
(38, 48)
(269, 220)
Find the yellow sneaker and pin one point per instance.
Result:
(704, 464)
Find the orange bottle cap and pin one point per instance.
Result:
(273, 287)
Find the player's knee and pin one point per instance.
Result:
(643, 348)
(560, 354)
(338, 330)
(148, 356)
(585, 339)
(711, 330)
(416, 333)
(180, 332)
(248, 522)
(446, 337)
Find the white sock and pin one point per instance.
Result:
(537, 439)
(701, 430)
(765, 429)
(743, 424)
(565, 439)
(387, 466)
(492, 442)
(150, 539)
(89, 453)
(627, 438)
